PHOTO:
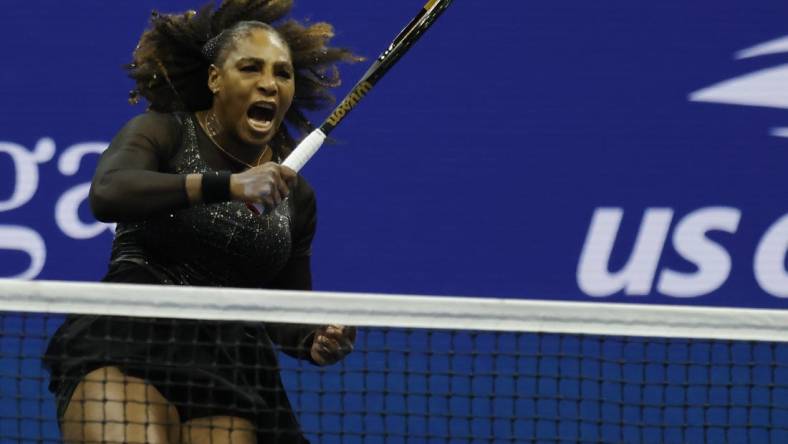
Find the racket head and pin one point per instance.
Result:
(407, 37)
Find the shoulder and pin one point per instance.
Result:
(162, 131)
(154, 122)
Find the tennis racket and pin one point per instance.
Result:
(401, 44)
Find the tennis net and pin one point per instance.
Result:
(424, 369)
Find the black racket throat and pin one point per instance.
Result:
(398, 48)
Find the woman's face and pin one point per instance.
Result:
(253, 88)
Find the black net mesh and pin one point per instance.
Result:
(398, 385)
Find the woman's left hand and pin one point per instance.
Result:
(332, 343)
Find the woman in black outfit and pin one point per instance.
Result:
(185, 182)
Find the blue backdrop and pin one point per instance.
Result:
(496, 159)
(609, 150)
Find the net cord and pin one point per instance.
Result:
(399, 311)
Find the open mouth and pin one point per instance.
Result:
(261, 115)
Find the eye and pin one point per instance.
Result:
(285, 74)
(249, 68)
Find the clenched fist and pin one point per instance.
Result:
(267, 184)
(332, 343)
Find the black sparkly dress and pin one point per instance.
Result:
(204, 368)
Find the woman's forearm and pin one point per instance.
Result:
(132, 195)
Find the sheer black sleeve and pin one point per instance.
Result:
(297, 274)
(296, 339)
(130, 183)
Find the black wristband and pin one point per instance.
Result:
(216, 187)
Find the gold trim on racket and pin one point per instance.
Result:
(430, 4)
(398, 47)
(349, 103)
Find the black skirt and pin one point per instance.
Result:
(204, 368)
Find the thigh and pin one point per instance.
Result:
(110, 407)
(218, 430)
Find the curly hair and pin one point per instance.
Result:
(170, 64)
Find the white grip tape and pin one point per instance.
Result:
(305, 150)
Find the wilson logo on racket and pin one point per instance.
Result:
(764, 88)
(349, 103)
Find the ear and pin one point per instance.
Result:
(214, 79)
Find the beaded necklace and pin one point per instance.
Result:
(209, 124)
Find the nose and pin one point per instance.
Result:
(266, 84)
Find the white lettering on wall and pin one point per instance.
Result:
(26, 168)
(712, 260)
(67, 207)
(769, 263)
(26, 182)
(17, 238)
(25, 240)
(637, 276)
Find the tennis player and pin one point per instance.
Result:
(182, 181)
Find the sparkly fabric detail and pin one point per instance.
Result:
(223, 244)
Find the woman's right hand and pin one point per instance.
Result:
(267, 184)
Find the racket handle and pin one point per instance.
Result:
(305, 150)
